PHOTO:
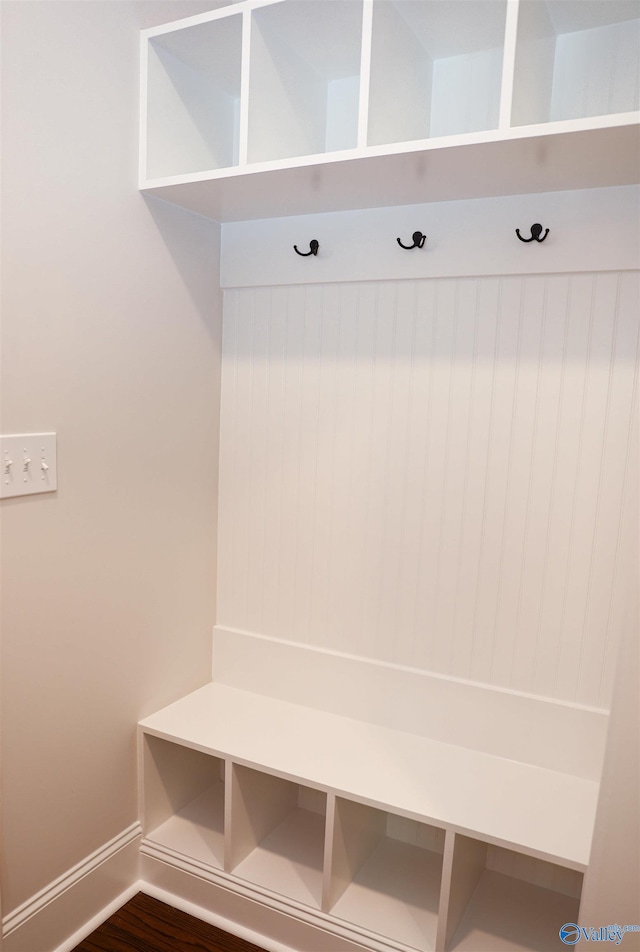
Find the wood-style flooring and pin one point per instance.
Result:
(147, 925)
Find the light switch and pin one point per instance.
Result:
(28, 464)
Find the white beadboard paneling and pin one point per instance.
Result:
(418, 834)
(596, 71)
(531, 870)
(466, 93)
(434, 473)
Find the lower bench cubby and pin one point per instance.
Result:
(501, 900)
(277, 833)
(183, 805)
(385, 873)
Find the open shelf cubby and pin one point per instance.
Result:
(277, 834)
(304, 78)
(385, 873)
(193, 98)
(576, 60)
(436, 68)
(184, 800)
(501, 900)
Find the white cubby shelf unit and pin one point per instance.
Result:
(279, 107)
(377, 835)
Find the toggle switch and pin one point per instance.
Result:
(37, 453)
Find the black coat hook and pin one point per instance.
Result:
(418, 241)
(313, 249)
(536, 231)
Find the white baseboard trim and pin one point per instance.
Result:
(251, 912)
(69, 944)
(64, 913)
(199, 912)
(59, 913)
(277, 903)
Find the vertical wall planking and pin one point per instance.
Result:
(433, 472)
(596, 71)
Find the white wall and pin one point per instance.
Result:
(612, 882)
(434, 473)
(110, 337)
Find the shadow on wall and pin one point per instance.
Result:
(194, 245)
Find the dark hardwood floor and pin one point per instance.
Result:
(147, 925)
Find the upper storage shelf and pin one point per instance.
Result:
(304, 78)
(576, 59)
(280, 107)
(193, 98)
(436, 68)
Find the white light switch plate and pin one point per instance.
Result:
(28, 464)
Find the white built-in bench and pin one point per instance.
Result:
(386, 806)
